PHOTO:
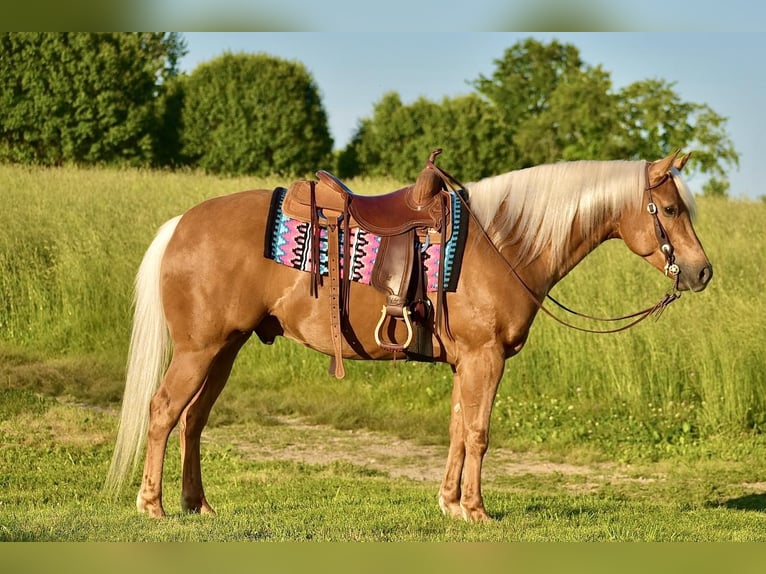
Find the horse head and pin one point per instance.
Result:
(661, 229)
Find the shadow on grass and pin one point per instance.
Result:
(747, 502)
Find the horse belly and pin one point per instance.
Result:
(306, 319)
(217, 281)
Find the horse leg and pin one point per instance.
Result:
(449, 493)
(477, 376)
(182, 381)
(193, 420)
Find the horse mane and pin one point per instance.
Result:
(536, 208)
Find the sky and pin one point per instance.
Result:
(724, 70)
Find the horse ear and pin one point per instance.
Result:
(680, 162)
(660, 168)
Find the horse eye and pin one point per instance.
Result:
(670, 210)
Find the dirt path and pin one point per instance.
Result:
(295, 439)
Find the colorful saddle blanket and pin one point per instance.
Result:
(288, 242)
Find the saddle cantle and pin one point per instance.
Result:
(421, 210)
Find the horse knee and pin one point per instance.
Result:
(477, 441)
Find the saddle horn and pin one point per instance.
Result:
(429, 182)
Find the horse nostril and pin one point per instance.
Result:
(706, 274)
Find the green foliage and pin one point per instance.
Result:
(542, 104)
(254, 114)
(398, 139)
(713, 148)
(522, 86)
(167, 144)
(578, 121)
(83, 97)
(117, 98)
(559, 108)
(655, 118)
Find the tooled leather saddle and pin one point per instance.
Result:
(404, 219)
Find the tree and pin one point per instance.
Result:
(474, 137)
(254, 113)
(542, 104)
(654, 118)
(714, 187)
(392, 142)
(523, 83)
(83, 97)
(713, 149)
(377, 143)
(656, 121)
(580, 121)
(168, 148)
(398, 138)
(557, 108)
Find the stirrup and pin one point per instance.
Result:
(394, 347)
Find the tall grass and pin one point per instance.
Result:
(71, 241)
(696, 372)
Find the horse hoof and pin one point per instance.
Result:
(450, 509)
(151, 509)
(197, 507)
(475, 515)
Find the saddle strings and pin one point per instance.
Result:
(316, 279)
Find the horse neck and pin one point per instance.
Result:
(547, 203)
(580, 247)
(542, 273)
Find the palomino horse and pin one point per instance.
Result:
(205, 286)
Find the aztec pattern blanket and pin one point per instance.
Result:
(288, 242)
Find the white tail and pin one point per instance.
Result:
(147, 359)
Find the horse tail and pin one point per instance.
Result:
(147, 358)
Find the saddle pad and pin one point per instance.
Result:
(288, 242)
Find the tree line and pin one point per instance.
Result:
(120, 99)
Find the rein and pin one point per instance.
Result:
(662, 240)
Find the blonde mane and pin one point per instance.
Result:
(536, 208)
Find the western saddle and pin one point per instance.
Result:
(421, 210)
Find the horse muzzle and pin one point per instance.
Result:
(694, 278)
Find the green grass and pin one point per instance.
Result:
(71, 240)
(686, 392)
(54, 456)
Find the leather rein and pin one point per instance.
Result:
(662, 240)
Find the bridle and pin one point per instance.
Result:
(659, 231)
(666, 247)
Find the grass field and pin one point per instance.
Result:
(681, 401)
(55, 455)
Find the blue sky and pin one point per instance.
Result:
(724, 70)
